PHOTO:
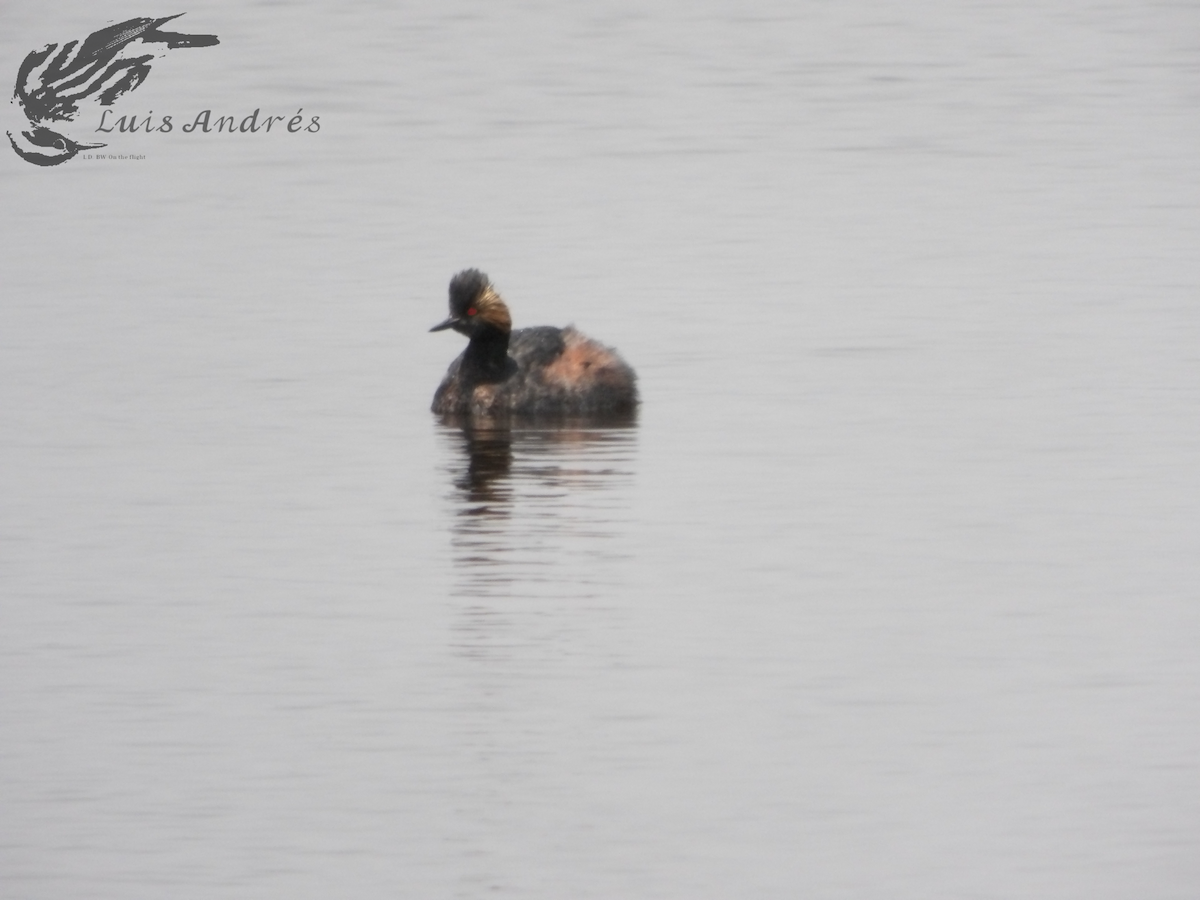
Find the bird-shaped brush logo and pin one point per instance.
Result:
(106, 66)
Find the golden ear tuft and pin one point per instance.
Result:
(493, 310)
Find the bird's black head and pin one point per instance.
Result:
(44, 147)
(475, 305)
(465, 289)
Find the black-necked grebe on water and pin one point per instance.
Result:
(540, 371)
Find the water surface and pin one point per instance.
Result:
(889, 591)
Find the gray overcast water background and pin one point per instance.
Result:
(893, 591)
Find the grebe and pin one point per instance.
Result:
(532, 371)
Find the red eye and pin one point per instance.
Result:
(471, 311)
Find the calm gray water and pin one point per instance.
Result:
(893, 590)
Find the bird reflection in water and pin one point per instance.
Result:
(483, 485)
(538, 528)
(534, 501)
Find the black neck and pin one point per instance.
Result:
(486, 358)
